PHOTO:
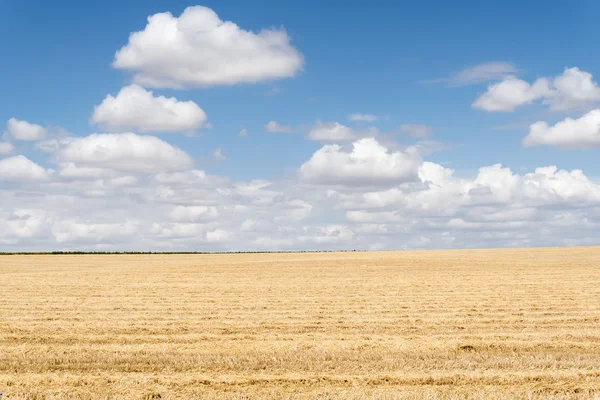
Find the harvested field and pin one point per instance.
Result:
(486, 324)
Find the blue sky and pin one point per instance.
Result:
(394, 60)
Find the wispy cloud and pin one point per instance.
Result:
(480, 73)
(362, 117)
(218, 155)
(416, 130)
(273, 91)
(276, 127)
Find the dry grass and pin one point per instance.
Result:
(383, 325)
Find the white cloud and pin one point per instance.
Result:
(194, 213)
(66, 231)
(490, 71)
(510, 93)
(137, 109)
(362, 117)
(297, 210)
(275, 127)
(416, 130)
(198, 49)
(123, 152)
(218, 235)
(368, 163)
(574, 88)
(115, 192)
(583, 132)
(22, 225)
(248, 225)
(218, 155)
(329, 234)
(21, 169)
(190, 210)
(70, 170)
(23, 130)
(6, 148)
(195, 177)
(243, 132)
(330, 132)
(434, 173)
(181, 230)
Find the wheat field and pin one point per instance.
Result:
(478, 324)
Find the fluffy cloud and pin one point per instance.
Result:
(21, 169)
(137, 109)
(190, 210)
(126, 152)
(198, 49)
(574, 88)
(194, 213)
(243, 132)
(362, 117)
(276, 127)
(72, 230)
(331, 132)
(130, 192)
(510, 93)
(434, 173)
(21, 225)
(23, 130)
(583, 132)
(6, 148)
(368, 163)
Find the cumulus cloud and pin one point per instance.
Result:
(21, 169)
(137, 109)
(190, 210)
(243, 132)
(485, 72)
(123, 152)
(130, 192)
(194, 177)
(510, 93)
(583, 132)
(23, 130)
(367, 163)
(194, 213)
(198, 49)
(434, 173)
(72, 230)
(71, 170)
(276, 127)
(6, 148)
(574, 88)
(22, 225)
(362, 117)
(330, 132)
(496, 207)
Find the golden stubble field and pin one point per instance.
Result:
(484, 324)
